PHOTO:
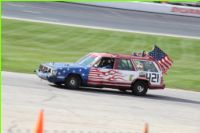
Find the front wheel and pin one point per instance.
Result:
(139, 88)
(73, 82)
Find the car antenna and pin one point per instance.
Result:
(143, 53)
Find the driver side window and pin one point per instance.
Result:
(105, 62)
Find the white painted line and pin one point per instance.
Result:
(34, 12)
(102, 28)
(18, 5)
(47, 19)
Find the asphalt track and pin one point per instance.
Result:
(104, 17)
(167, 111)
(95, 110)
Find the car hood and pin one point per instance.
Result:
(59, 65)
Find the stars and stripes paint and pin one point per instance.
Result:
(107, 76)
(162, 58)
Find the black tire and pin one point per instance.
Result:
(139, 88)
(73, 82)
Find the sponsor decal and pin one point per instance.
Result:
(142, 74)
(131, 77)
(61, 77)
(185, 10)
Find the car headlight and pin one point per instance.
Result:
(53, 72)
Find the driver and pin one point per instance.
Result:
(108, 64)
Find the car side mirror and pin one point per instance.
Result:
(95, 65)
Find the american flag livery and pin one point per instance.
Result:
(162, 58)
(86, 74)
(108, 76)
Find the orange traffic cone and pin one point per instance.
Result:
(145, 129)
(39, 124)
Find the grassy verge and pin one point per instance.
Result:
(27, 44)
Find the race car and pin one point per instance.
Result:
(136, 72)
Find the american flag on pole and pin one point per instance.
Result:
(162, 58)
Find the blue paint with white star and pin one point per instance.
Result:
(64, 69)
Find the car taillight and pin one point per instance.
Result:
(162, 80)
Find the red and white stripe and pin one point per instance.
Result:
(110, 77)
(165, 63)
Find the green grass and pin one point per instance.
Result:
(27, 44)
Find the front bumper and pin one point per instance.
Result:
(49, 77)
(42, 75)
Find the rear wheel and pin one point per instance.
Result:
(73, 82)
(139, 88)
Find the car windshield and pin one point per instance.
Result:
(86, 60)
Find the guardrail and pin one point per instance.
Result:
(151, 7)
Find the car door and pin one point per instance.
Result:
(125, 73)
(101, 73)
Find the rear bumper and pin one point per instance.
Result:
(157, 86)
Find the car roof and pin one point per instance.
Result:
(125, 56)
